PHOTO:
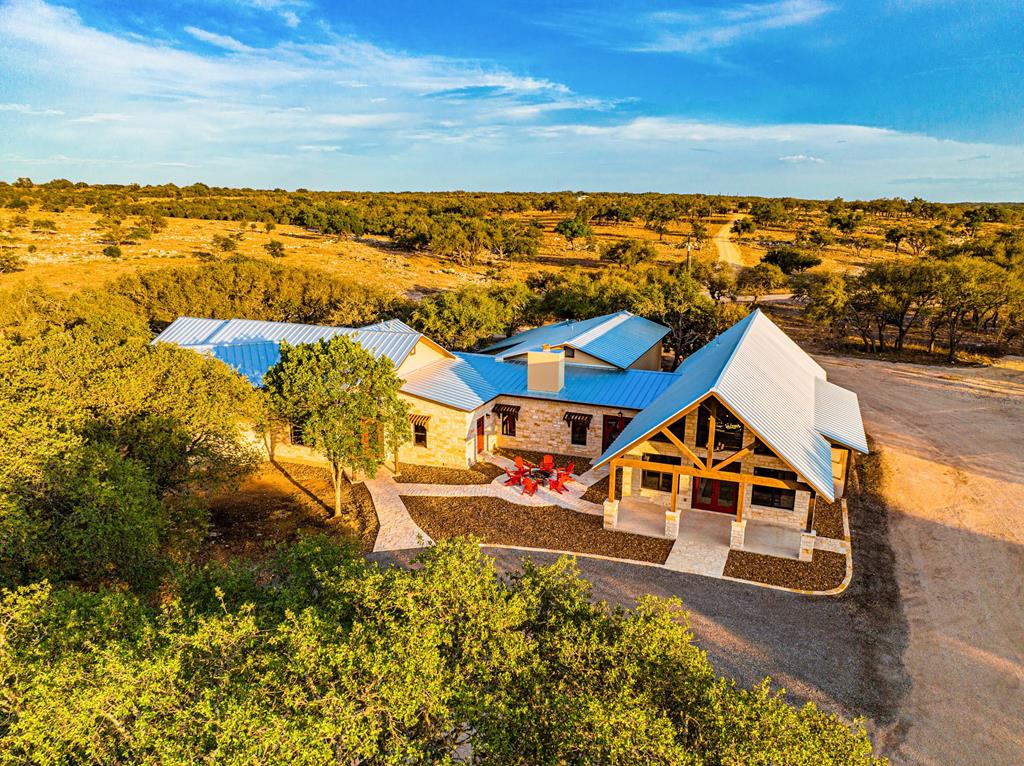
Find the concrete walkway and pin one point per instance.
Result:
(397, 529)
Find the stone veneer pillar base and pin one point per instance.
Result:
(737, 533)
(611, 514)
(807, 540)
(671, 525)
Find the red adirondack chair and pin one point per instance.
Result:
(522, 465)
(529, 486)
(549, 463)
(513, 478)
(566, 475)
(557, 485)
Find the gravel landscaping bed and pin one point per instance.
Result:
(828, 518)
(500, 522)
(561, 461)
(598, 491)
(481, 473)
(826, 570)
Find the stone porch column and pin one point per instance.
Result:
(737, 534)
(807, 540)
(672, 524)
(611, 514)
(627, 481)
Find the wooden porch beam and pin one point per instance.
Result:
(675, 490)
(611, 479)
(737, 455)
(712, 409)
(687, 452)
(738, 478)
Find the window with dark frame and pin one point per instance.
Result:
(569, 352)
(419, 435)
(659, 481)
(760, 448)
(728, 429)
(508, 425)
(296, 435)
(578, 433)
(774, 497)
(678, 430)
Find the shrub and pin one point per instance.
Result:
(629, 252)
(790, 260)
(274, 248)
(10, 261)
(44, 224)
(112, 251)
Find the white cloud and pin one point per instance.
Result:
(27, 109)
(220, 41)
(696, 33)
(101, 117)
(802, 159)
(290, 18)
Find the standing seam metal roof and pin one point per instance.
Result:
(219, 337)
(619, 339)
(768, 381)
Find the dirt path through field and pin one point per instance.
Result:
(950, 440)
(728, 252)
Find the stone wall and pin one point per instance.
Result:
(540, 426)
(451, 436)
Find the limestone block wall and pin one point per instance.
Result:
(540, 426)
(451, 436)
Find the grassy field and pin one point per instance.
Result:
(71, 257)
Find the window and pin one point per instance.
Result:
(678, 430)
(578, 433)
(773, 497)
(728, 430)
(419, 436)
(570, 353)
(508, 425)
(760, 448)
(658, 480)
(296, 435)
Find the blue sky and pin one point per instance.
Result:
(813, 98)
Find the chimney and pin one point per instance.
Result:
(545, 370)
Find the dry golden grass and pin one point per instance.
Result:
(72, 258)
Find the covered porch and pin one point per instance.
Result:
(708, 496)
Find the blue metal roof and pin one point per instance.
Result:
(470, 380)
(619, 339)
(770, 383)
(249, 359)
(392, 338)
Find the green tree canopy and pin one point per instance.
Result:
(320, 657)
(345, 400)
(629, 252)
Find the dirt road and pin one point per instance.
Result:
(951, 445)
(728, 252)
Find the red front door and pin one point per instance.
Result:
(714, 495)
(613, 426)
(479, 435)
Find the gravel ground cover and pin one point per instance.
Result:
(582, 463)
(828, 518)
(481, 473)
(500, 522)
(824, 571)
(598, 491)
